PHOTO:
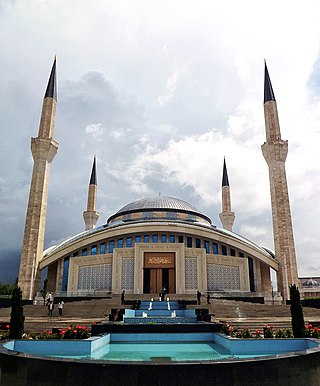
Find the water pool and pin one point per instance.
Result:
(192, 347)
(205, 360)
(155, 351)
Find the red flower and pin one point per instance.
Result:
(7, 326)
(310, 325)
(75, 331)
(94, 322)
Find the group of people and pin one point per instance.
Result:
(50, 305)
(199, 297)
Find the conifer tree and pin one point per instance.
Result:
(297, 319)
(17, 318)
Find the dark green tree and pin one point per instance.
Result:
(44, 290)
(297, 319)
(17, 318)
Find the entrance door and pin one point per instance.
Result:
(159, 272)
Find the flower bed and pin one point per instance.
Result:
(268, 332)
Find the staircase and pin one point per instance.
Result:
(160, 312)
(239, 314)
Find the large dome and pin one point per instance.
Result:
(158, 204)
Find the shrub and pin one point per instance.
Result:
(246, 334)
(226, 329)
(77, 332)
(17, 318)
(268, 331)
(311, 332)
(280, 334)
(297, 319)
(257, 334)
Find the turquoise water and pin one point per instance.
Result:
(138, 352)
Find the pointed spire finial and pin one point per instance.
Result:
(51, 91)
(225, 180)
(268, 90)
(93, 178)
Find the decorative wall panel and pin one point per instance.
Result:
(223, 277)
(95, 277)
(127, 273)
(191, 273)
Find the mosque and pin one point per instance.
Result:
(160, 241)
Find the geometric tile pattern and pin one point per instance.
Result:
(127, 273)
(223, 277)
(191, 273)
(95, 277)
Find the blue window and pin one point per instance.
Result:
(232, 252)
(224, 250)
(163, 238)
(215, 248)
(102, 248)
(146, 238)
(93, 250)
(129, 242)
(171, 215)
(189, 242)
(207, 246)
(198, 243)
(84, 252)
(75, 254)
(120, 243)
(172, 238)
(138, 239)
(181, 239)
(65, 274)
(111, 246)
(155, 238)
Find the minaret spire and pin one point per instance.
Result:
(91, 216)
(268, 90)
(43, 149)
(226, 216)
(275, 152)
(51, 91)
(225, 179)
(93, 178)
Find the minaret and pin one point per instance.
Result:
(43, 149)
(275, 152)
(226, 216)
(91, 216)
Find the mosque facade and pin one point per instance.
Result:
(157, 242)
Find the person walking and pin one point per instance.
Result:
(60, 307)
(50, 307)
(122, 297)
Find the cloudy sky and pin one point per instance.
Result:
(160, 91)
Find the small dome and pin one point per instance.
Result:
(159, 204)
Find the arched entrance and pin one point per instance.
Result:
(159, 271)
